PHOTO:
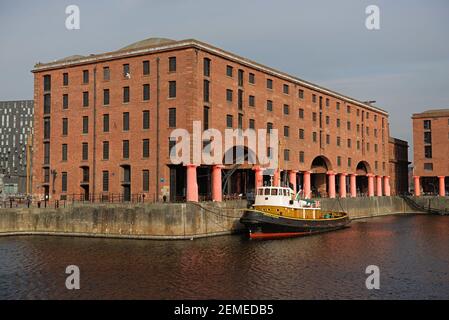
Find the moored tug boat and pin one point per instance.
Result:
(278, 213)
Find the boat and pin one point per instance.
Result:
(278, 212)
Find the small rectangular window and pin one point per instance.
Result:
(286, 109)
(106, 74)
(269, 105)
(47, 103)
(106, 97)
(105, 181)
(206, 84)
(314, 98)
(126, 94)
(301, 94)
(146, 148)
(85, 124)
(269, 127)
(126, 71)
(65, 126)
(125, 149)
(105, 150)
(65, 101)
(106, 123)
(172, 117)
(286, 131)
(252, 101)
(301, 113)
(85, 99)
(252, 124)
(301, 134)
(286, 154)
(427, 125)
(65, 79)
(172, 64)
(146, 92)
(85, 76)
(229, 121)
(146, 119)
(172, 89)
(229, 71)
(125, 121)
(428, 166)
(252, 78)
(206, 67)
(286, 89)
(146, 180)
(229, 95)
(240, 77)
(64, 182)
(47, 82)
(146, 67)
(205, 118)
(428, 152)
(269, 84)
(64, 152)
(85, 151)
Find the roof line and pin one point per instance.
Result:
(208, 48)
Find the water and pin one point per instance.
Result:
(412, 253)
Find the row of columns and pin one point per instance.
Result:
(441, 186)
(192, 186)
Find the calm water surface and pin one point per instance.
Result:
(412, 253)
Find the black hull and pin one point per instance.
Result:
(259, 223)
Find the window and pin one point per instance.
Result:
(367, 146)
(269, 105)
(229, 95)
(64, 152)
(314, 116)
(240, 99)
(286, 154)
(358, 128)
(375, 133)
(85, 99)
(105, 150)
(65, 79)
(125, 121)
(349, 162)
(285, 89)
(314, 137)
(240, 77)
(229, 121)
(301, 134)
(206, 84)
(327, 102)
(339, 161)
(65, 101)
(146, 67)
(47, 83)
(270, 152)
(64, 182)
(229, 71)
(85, 151)
(301, 156)
(286, 109)
(46, 128)
(205, 118)
(252, 101)
(358, 145)
(301, 113)
(269, 84)
(125, 94)
(106, 123)
(47, 103)
(252, 78)
(105, 97)
(85, 76)
(65, 126)
(338, 105)
(376, 165)
(172, 89)
(301, 94)
(206, 67)
(146, 119)
(428, 152)
(367, 131)
(146, 148)
(172, 64)
(146, 180)
(172, 117)
(126, 71)
(240, 121)
(349, 143)
(85, 124)
(375, 147)
(328, 139)
(327, 120)
(286, 131)
(338, 123)
(146, 92)
(314, 98)
(338, 141)
(46, 153)
(105, 181)
(428, 166)
(428, 137)
(348, 109)
(427, 125)
(269, 127)
(375, 118)
(252, 124)
(348, 125)
(106, 74)
(125, 149)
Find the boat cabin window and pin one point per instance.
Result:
(260, 192)
(267, 192)
(274, 192)
(285, 192)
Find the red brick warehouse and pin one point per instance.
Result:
(102, 126)
(431, 150)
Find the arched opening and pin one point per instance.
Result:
(319, 184)
(238, 176)
(362, 170)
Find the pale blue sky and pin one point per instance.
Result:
(404, 65)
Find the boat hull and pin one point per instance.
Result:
(263, 226)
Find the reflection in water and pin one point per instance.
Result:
(411, 252)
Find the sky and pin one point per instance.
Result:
(403, 66)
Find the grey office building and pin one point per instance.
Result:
(16, 124)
